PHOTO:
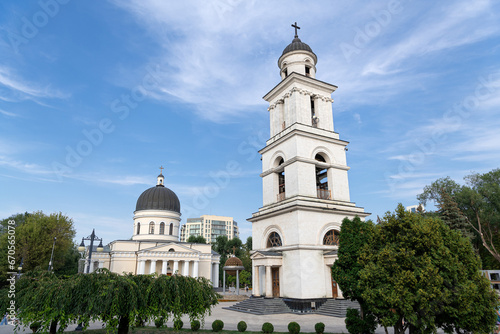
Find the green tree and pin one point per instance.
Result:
(354, 235)
(116, 300)
(452, 216)
(420, 275)
(479, 202)
(249, 244)
(34, 237)
(197, 239)
(43, 297)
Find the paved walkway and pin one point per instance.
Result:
(254, 322)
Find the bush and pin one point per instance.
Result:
(319, 328)
(294, 328)
(217, 325)
(35, 326)
(195, 325)
(356, 325)
(178, 324)
(267, 327)
(242, 326)
(159, 322)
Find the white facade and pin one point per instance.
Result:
(210, 227)
(305, 186)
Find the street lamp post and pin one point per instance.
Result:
(99, 248)
(52, 255)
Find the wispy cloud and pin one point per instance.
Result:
(445, 27)
(7, 113)
(16, 88)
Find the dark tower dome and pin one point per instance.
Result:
(297, 45)
(158, 198)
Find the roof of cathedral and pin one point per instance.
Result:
(297, 44)
(158, 198)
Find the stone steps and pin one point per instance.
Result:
(260, 306)
(337, 307)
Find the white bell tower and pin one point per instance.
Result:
(305, 185)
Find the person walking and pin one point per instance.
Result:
(4, 320)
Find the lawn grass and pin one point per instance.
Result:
(154, 330)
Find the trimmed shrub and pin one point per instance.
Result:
(178, 324)
(159, 322)
(217, 325)
(319, 328)
(293, 328)
(242, 326)
(195, 325)
(267, 327)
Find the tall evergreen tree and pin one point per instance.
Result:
(450, 213)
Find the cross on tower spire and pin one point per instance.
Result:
(296, 27)
(161, 170)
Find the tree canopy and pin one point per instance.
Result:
(354, 235)
(419, 274)
(117, 300)
(478, 201)
(34, 238)
(197, 239)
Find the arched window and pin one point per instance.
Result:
(171, 229)
(274, 240)
(152, 228)
(281, 181)
(322, 179)
(171, 250)
(331, 238)
(138, 228)
(162, 228)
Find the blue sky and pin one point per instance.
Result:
(96, 95)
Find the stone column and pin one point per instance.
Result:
(176, 267)
(152, 268)
(164, 267)
(186, 268)
(216, 268)
(256, 281)
(269, 283)
(142, 266)
(223, 281)
(237, 282)
(195, 268)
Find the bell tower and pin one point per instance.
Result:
(305, 185)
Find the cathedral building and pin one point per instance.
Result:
(154, 246)
(305, 186)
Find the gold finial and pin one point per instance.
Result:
(161, 170)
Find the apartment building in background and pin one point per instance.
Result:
(210, 227)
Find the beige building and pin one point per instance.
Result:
(210, 227)
(154, 246)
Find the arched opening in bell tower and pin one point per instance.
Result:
(281, 181)
(322, 179)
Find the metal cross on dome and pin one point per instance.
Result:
(296, 27)
(161, 170)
